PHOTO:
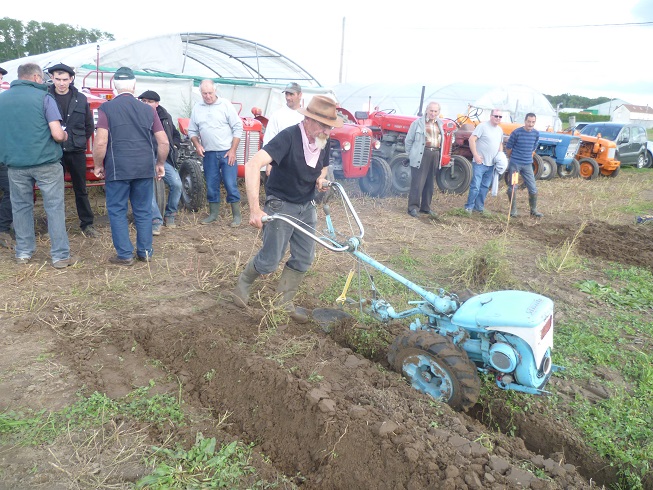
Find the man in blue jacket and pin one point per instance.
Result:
(30, 146)
(520, 147)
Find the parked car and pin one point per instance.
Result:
(630, 140)
(578, 127)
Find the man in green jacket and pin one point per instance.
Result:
(30, 146)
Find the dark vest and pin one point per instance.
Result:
(131, 149)
(74, 118)
(25, 137)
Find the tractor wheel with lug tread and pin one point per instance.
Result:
(193, 186)
(160, 195)
(549, 168)
(455, 177)
(569, 171)
(611, 173)
(435, 366)
(588, 168)
(378, 181)
(400, 167)
(538, 166)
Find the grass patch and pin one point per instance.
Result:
(563, 258)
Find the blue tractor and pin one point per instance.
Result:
(558, 152)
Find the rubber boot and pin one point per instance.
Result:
(287, 289)
(532, 200)
(214, 212)
(240, 294)
(235, 212)
(513, 205)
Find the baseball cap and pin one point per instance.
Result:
(292, 88)
(124, 73)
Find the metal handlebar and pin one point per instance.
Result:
(332, 244)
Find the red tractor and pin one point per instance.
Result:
(352, 155)
(455, 173)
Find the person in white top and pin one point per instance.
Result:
(285, 117)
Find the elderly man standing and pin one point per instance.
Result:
(300, 157)
(78, 121)
(130, 147)
(30, 147)
(423, 147)
(215, 130)
(485, 143)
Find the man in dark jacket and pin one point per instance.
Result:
(130, 148)
(171, 178)
(78, 121)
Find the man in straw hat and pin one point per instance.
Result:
(300, 157)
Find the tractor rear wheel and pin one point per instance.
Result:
(400, 167)
(588, 168)
(571, 170)
(538, 166)
(435, 366)
(160, 195)
(378, 181)
(193, 186)
(549, 168)
(455, 177)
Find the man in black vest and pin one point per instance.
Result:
(78, 121)
(130, 146)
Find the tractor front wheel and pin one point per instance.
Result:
(549, 169)
(193, 186)
(435, 366)
(400, 167)
(571, 170)
(588, 168)
(455, 177)
(378, 181)
(611, 173)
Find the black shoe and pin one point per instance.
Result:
(118, 261)
(413, 213)
(430, 214)
(90, 232)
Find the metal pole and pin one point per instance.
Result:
(342, 50)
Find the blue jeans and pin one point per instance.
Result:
(527, 176)
(49, 178)
(5, 200)
(481, 181)
(277, 235)
(173, 181)
(139, 193)
(217, 171)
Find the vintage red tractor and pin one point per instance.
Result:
(352, 155)
(455, 173)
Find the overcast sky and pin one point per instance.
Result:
(585, 47)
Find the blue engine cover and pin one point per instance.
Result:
(559, 142)
(503, 309)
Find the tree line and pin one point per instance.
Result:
(575, 101)
(18, 39)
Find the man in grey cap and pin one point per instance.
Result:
(78, 121)
(130, 145)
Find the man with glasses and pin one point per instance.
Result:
(486, 142)
(30, 145)
(521, 145)
(215, 130)
(299, 156)
(423, 147)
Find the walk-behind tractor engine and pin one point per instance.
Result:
(506, 333)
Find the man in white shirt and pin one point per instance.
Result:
(284, 117)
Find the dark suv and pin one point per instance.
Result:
(630, 139)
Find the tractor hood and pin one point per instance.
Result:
(501, 309)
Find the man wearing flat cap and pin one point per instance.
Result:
(171, 177)
(78, 121)
(130, 148)
(299, 156)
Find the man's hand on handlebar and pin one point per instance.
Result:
(322, 184)
(255, 216)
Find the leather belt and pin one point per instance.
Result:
(432, 148)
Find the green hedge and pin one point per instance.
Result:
(582, 117)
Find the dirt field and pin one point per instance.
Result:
(319, 415)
